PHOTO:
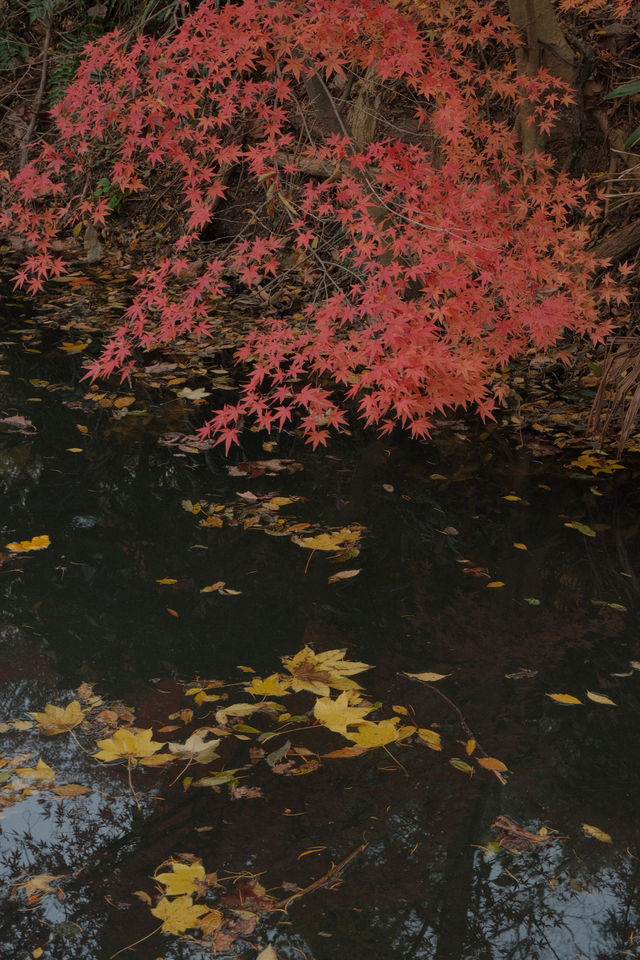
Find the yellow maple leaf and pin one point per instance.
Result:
(183, 878)
(59, 719)
(318, 672)
(272, 686)
(132, 745)
(339, 714)
(178, 915)
(336, 540)
(371, 735)
(41, 771)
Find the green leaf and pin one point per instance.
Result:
(626, 90)
(632, 139)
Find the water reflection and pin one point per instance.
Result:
(438, 530)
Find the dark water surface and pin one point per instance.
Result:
(89, 608)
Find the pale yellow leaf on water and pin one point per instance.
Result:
(213, 587)
(279, 501)
(520, 546)
(343, 575)
(595, 491)
(401, 710)
(81, 427)
(430, 737)
(59, 719)
(469, 747)
(428, 677)
(599, 698)
(167, 580)
(74, 449)
(41, 771)
(581, 528)
(635, 664)
(124, 402)
(37, 953)
(565, 698)
(492, 763)
(267, 954)
(437, 476)
(596, 833)
(494, 584)
(511, 496)
(144, 896)
(244, 669)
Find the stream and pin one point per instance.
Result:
(466, 567)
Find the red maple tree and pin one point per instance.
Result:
(433, 250)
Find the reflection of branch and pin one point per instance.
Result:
(39, 96)
(323, 881)
(461, 717)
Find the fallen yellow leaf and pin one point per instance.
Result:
(183, 878)
(178, 915)
(428, 677)
(596, 833)
(565, 698)
(59, 719)
(599, 698)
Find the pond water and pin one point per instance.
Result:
(437, 535)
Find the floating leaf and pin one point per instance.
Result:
(532, 601)
(343, 575)
(267, 954)
(196, 748)
(599, 698)
(512, 497)
(428, 677)
(167, 580)
(70, 790)
(492, 763)
(121, 402)
(184, 878)
(340, 713)
(494, 584)
(565, 698)
(372, 735)
(272, 686)
(38, 543)
(59, 719)
(581, 528)
(330, 541)
(469, 747)
(520, 546)
(132, 745)
(41, 771)
(461, 765)
(430, 737)
(188, 394)
(318, 672)
(596, 833)
(178, 915)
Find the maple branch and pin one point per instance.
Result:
(24, 149)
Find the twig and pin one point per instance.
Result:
(323, 881)
(461, 717)
(24, 149)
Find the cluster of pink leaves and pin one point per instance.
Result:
(436, 256)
